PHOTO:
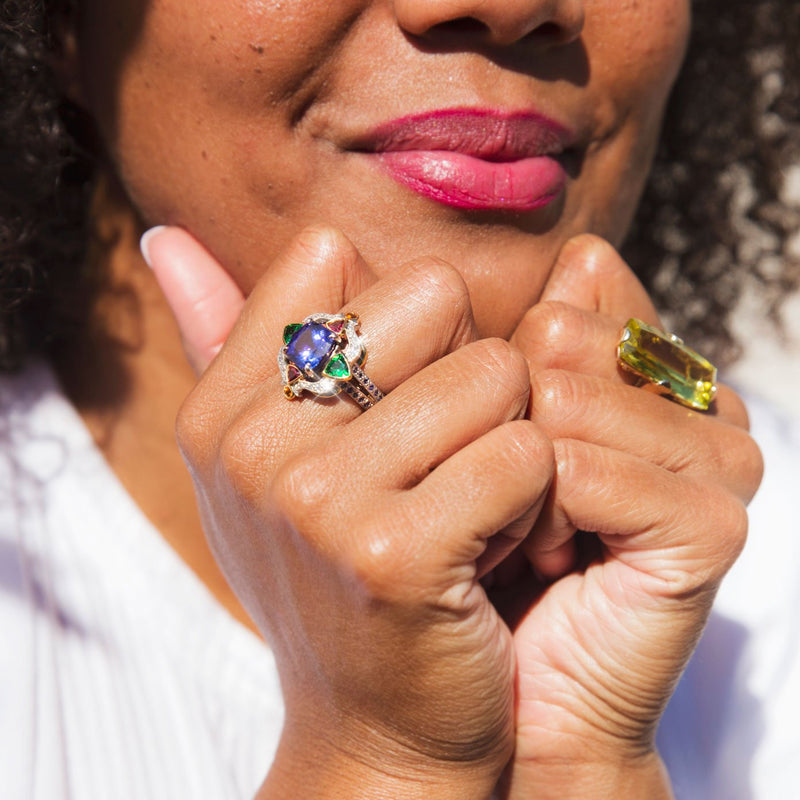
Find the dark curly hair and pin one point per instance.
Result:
(720, 213)
(711, 219)
(45, 185)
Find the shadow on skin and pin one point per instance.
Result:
(570, 64)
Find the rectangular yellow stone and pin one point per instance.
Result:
(664, 360)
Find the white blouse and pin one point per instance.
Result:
(121, 677)
(732, 730)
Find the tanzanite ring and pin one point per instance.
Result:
(324, 355)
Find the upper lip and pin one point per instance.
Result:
(488, 134)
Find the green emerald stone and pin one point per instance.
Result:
(289, 331)
(666, 361)
(337, 367)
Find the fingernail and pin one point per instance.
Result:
(144, 242)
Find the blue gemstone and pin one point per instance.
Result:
(310, 346)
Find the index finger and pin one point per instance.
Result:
(320, 271)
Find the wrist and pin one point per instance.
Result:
(642, 777)
(335, 767)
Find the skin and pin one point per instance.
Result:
(233, 121)
(254, 134)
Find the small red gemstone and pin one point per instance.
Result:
(336, 325)
(292, 373)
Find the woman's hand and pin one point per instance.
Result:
(662, 489)
(356, 541)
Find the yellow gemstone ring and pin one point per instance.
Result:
(667, 364)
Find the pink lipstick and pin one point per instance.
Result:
(474, 158)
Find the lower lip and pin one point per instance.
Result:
(464, 181)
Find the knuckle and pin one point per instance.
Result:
(303, 490)
(506, 366)
(529, 447)
(549, 329)
(333, 257)
(585, 242)
(597, 256)
(242, 452)
(378, 566)
(194, 424)
(754, 459)
(441, 277)
(720, 540)
(557, 396)
(732, 525)
(738, 459)
(323, 243)
(438, 288)
(746, 461)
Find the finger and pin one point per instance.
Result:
(420, 423)
(679, 534)
(425, 436)
(413, 316)
(319, 271)
(204, 299)
(554, 335)
(569, 405)
(435, 413)
(577, 324)
(435, 535)
(590, 274)
(555, 554)
(417, 314)
(495, 485)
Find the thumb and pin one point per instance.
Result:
(203, 297)
(591, 275)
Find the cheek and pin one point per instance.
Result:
(184, 91)
(221, 44)
(639, 47)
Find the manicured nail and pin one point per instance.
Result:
(144, 242)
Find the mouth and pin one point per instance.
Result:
(476, 159)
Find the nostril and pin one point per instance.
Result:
(549, 30)
(468, 28)
(467, 24)
(460, 27)
(557, 34)
(490, 23)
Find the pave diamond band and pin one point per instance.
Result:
(324, 355)
(362, 389)
(664, 362)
